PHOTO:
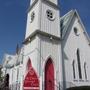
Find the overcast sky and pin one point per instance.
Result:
(13, 16)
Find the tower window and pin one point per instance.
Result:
(50, 15)
(73, 65)
(79, 64)
(32, 16)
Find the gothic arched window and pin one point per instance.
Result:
(73, 65)
(6, 80)
(17, 73)
(76, 31)
(85, 71)
(79, 64)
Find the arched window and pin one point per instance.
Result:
(17, 73)
(85, 71)
(76, 31)
(6, 80)
(79, 64)
(73, 65)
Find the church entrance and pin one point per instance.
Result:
(31, 81)
(49, 75)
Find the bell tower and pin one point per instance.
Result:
(43, 16)
(42, 43)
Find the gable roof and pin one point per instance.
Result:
(66, 20)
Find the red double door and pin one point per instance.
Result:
(49, 76)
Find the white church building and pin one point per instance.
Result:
(55, 54)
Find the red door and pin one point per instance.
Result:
(49, 75)
(31, 81)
